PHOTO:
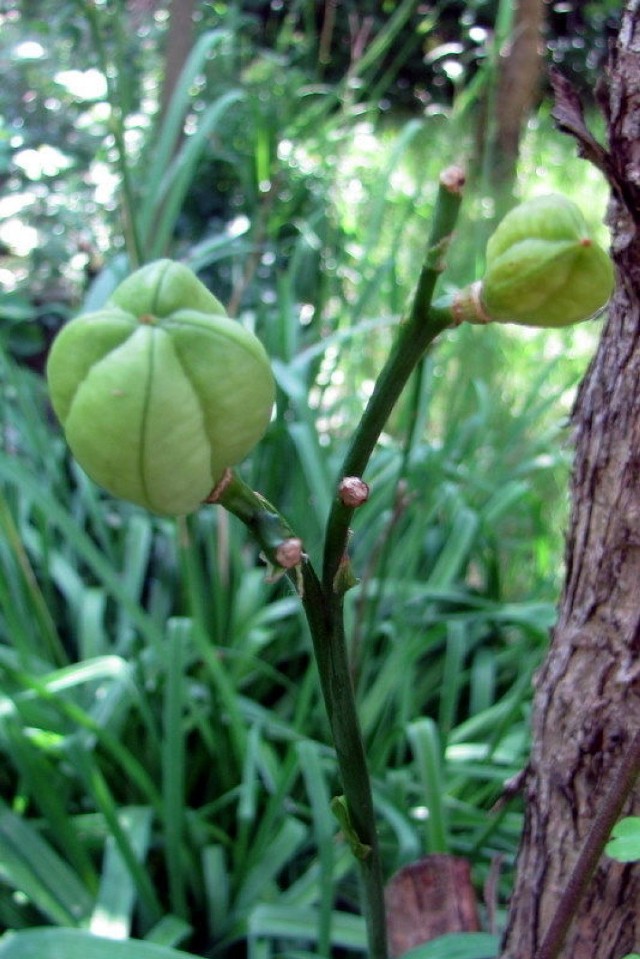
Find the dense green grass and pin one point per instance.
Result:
(166, 754)
(164, 690)
(166, 767)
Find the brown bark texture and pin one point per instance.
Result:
(587, 703)
(519, 74)
(429, 898)
(178, 45)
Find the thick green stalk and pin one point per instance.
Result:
(323, 600)
(417, 331)
(333, 661)
(272, 532)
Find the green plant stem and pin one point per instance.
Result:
(333, 663)
(323, 601)
(606, 817)
(417, 331)
(270, 530)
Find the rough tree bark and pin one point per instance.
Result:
(587, 704)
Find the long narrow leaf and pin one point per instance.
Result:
(216, 881)
(282, 849)
(173, 188)
(40, 779)
(425, 744)
(324, 828)
(15, 473)
(98, 787)
(457, 945)
(113, 911)
(270, 921)
(173, 760)
(30, 865)
(47, 631)
(77, 944)
(164, 144)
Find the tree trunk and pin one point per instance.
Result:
(178, 46)
(517, 88)
(587, 705)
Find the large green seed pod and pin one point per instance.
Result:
(544, 268)
(160, 392)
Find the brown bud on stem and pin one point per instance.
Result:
(289, 553)
(353, 491)
(453, 179)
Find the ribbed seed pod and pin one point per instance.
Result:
(160, 392)
(544, 268)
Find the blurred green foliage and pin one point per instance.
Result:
(78, 86)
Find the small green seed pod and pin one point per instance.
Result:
(160, 392)
(543, 267)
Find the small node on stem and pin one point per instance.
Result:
(453, 179)
(340, 809)
(353, 491)
(220, 487)
(289, 553)
(467, 305)
(344, 580)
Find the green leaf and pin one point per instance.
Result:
(457, 945)
(216, 887)
(31, 866)
(172, 189)
(310, 758)
(77, 944)
(425, 745)
(625, 842)
(174, 761)
(274, 922)
(116, 900)
(168, 135)
(101, 288)
(43, 782)
(169, 931)
(19, 476)
(284, 846)
(455, 551)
